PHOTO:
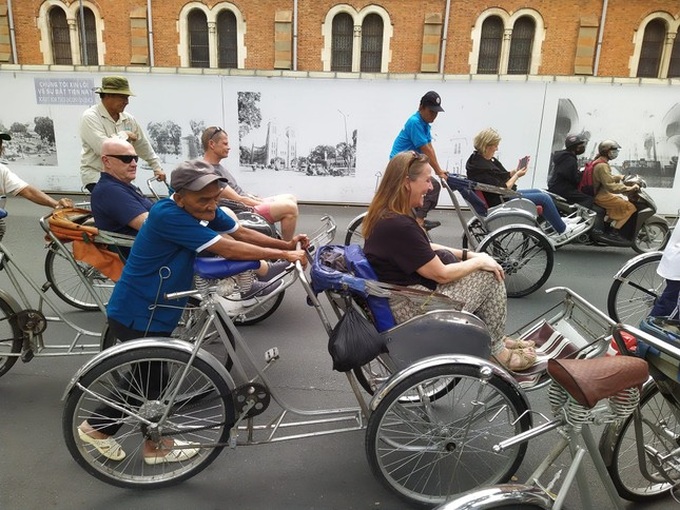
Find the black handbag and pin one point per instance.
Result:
(354, 341)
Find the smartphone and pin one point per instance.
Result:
(523, 162)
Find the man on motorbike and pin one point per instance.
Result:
(565, 176)
(608, 188)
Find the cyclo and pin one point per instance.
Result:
(437, 401)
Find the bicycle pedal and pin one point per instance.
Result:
(271, 355)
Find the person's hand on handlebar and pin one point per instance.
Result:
(64, 202)
(160, 174)
(296, 256)
(303, 241)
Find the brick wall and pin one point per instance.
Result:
(563, 20)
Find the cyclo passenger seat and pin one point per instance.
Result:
(337, 267)
(514, 211)
(441, 331)
(90, 244)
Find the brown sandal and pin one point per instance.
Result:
(518, 360)
(512, 343)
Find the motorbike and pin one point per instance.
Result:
(645, 231)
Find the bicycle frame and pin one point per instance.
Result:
(16, 275)
(244, 373)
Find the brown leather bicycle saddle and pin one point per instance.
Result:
(590, 380)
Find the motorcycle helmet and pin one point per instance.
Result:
(573, 140)
(606, 146)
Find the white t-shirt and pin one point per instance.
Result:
(669, 267)
(10, 182)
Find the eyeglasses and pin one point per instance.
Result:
(125, 158)
(217, 130)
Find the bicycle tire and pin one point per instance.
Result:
(633, 294)
(187, 329)
(11, 337)
(354, 235)
(652, 236)
(204, 420)
(372, 375)
(525, 255)
(259, 313)
(68, 285)
(427, 450)
(375, 373)
(624, 470)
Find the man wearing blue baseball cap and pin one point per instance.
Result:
(416, 136)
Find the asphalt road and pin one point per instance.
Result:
(36, 470)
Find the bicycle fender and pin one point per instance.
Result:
(509, 228)
(505, 495)
(612, 430)
(486, 370)
(13, 303)
(145, 343)
(636, 260)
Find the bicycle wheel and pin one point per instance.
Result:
(525, 255)
(260, 312)
(658, 430)
(652, 236)
(633, 294)
(10, 337)
(354, 235)
(67, 284)
(203, 421)
(190, 324)
(428, 449)
(372, 375)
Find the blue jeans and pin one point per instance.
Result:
(550, 213)
(667, 301)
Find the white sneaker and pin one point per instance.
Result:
(568, 232)
(572, 220)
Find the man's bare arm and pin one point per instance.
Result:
(428, 150)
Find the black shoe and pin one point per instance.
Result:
(615, 237)
(275, 270)
(429, 225)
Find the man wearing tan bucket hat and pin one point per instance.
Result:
(108, 119)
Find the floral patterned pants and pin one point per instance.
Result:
(479, 292)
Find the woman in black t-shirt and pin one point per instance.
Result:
(400, 253)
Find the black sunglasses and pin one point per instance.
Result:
(125, 158)
(217, 130)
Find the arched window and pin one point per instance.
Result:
(199, 49)
(490, 46)
(674, 65)
(90, 38)
(371, 43)
(652, 46)
(521, 46)
(341, 52)
(227, 45)
(61, 38)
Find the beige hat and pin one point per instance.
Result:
(114, 85)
